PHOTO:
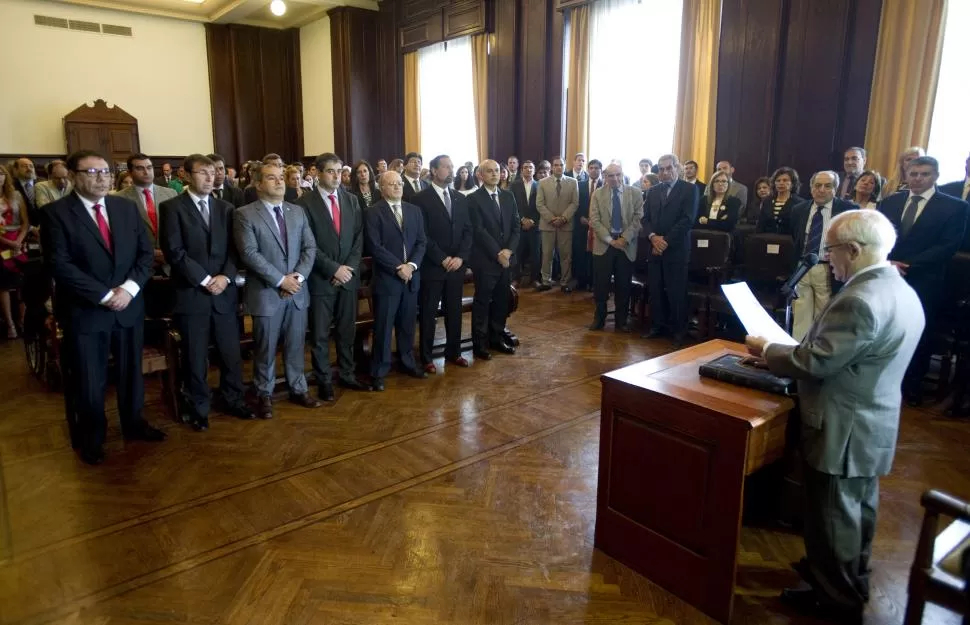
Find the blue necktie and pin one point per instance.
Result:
(616, 223)
(814, 240)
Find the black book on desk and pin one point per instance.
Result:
(733, 368)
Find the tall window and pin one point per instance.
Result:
(447, 101)
(950, 130)
(634, 68)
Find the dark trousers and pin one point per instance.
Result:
(397, 312)
(196, 331)
(616, 265)
(490, 307)
(530, 253)
(89, 379)
(840, 522)
(339, 310)
(583, 261)
(668, 296)
(930, 296)
(447, 292)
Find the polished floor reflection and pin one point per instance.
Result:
(465, 498)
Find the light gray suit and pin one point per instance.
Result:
(46, 192)
(601, 216)
(159, 195)
(849, 369)
(738, 190)
(552, 203)
(261, 251)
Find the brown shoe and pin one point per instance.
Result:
(304, 399)
(265, 408)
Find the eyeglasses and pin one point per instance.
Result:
(94, 173)
(826, 249)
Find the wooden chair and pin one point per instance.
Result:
(940, 568)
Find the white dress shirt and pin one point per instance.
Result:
(129, 285)
(326, 199)
(826, 220)
(195, 202)
(926, 195)
(441, 192)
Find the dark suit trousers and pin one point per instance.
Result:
(340, 310)
(448, 292)
(930, 296)
(668, 296)
(583, 261)
(490, 307)
(90, 378)
(840, 522)
(529, 252)
(196, 331)
(616, 265)
(398, 312)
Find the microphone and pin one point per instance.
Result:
(807, 262)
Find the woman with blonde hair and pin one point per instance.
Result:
(293, 176)
(902, 163)
(13, 232)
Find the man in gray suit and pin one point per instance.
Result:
(57, 185)
(735, 189)
(614, 215)
(275, 244)
(148, 196)
(850, 369)
(557, 201)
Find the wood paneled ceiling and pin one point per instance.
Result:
(250, 12)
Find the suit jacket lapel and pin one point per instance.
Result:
(193, 210)
(271, 224)
(81, 215)
(346, 219)
(293, 236)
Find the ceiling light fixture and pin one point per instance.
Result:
(278, 7)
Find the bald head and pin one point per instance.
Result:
(489, 171)
(614, 175)
(391, 187)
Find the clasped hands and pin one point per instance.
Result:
(405, 271)
(343, 275)
(504, 258)
(452, 263)
(291, 284)
(558, 222)
(659, 244)
(619, 243)
(119, 299)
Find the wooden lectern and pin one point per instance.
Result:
(674, 451)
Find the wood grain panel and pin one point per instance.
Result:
(462, 19)
(533, 77)
(503, 121)
(355, 53)
(422, 33)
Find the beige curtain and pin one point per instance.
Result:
(480, 87)
(577, 100)
(697, 88)
(412, 104)
(904, 82)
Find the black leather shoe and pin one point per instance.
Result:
(481, 354)
(304, 399)
(265, 409)
(504, 348)
(377, 385)
(326, 392)
(597, 325)
(145, 432)
(200, 424)
(415, 373)
(543, 287)
(806, 601)
(354, 385)
(93, 456)
(241, 411)
(567, 289)
(654, 333)
(623, 327)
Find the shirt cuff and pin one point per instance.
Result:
(205, 281)
(413, 266)
(608, 240)
(280, 283)
(300, 278)
(132, 287)
(106, 297)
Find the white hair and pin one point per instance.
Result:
(869, 228)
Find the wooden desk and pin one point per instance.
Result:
(674, 451)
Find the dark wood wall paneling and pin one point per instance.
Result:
(255, 90)
(794, 82)
(354, 35)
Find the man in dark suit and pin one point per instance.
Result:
(449, 247)
(582, 237)
(195, 234)
(166, 178)
(275, 244)
(24, 179)
(849, 368)
(810, 220)
(524, 190)
(931, 226)
(98, 252)
(690, 176)
(222, 188)
(669, 213)
(412, 176)
(338, 227)
(854, 162)
(397, 241)
(959, 188)
(513, 166)
(496, 227)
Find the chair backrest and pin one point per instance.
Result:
(709, 249)
(767, 257)
(365, 303)
(958, 278)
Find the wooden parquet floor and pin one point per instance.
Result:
(466, 498)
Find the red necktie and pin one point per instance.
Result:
(103, 227)
(335, 210)
(150, 207)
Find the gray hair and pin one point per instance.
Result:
(835, 178)
(670, 157)
(869, 228)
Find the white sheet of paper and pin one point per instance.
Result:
(773, 248)
(754, 318)
(702, 242)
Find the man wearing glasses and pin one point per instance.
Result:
(99, 253)
(810, 222)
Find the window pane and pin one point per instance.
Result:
(950, 131)
(447, 101)
(634, 72)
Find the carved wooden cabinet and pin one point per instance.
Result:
(109, 130)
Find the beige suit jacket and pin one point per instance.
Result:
(160, 194)
(46, 192)
(550, 205)
(601, 216)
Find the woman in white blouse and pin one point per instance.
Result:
(718, 210)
